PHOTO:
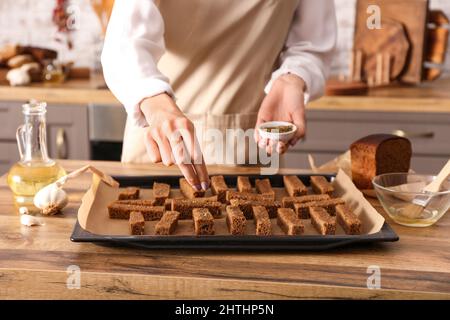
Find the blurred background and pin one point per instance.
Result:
(28, 21)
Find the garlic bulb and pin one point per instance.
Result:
(51, 199)
(30, 221)
(18, 77)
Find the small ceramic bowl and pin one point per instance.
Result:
(275, 135)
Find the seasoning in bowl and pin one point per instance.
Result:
(279, 129)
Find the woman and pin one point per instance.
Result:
(221, 64)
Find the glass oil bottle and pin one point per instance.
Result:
(35, 169)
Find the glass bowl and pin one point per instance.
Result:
(396, 192)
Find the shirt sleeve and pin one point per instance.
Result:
(134, 43)
(309, 46)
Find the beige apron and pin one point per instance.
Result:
(219, 56)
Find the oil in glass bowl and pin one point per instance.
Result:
(397, 192)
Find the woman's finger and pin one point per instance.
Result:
(152, 148)
(256, 135)
(269, 149)
(193, 154)
(281, 147)
(179, 152)
(189, 173)
(263, 116)
(298, 118)
(278, 146)
(197, 160)
(164, 147)
(177, 145)
(187, 134)
(263, 142)
(202, 174)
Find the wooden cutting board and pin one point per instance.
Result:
(412, 14)
(390, 39)
(336, 87)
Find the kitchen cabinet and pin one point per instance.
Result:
(330, 133)
(67, 132)
(106, 128)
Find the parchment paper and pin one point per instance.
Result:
(93, 212)
(341, 162)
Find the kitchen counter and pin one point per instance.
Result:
(76, 92)
(33, 261)
(427, 97)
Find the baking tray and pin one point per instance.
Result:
(229, 242)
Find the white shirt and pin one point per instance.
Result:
(134, 44)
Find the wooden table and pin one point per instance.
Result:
(34, 261)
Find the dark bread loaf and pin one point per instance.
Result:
(41, 54)
(377, 154)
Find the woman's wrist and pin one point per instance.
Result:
(152, 104)
(293, 79)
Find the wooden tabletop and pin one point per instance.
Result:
(427, 97)
(34, 261)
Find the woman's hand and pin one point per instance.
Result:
(285, 102)
(171, 139)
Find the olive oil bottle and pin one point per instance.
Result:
(35, 169)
